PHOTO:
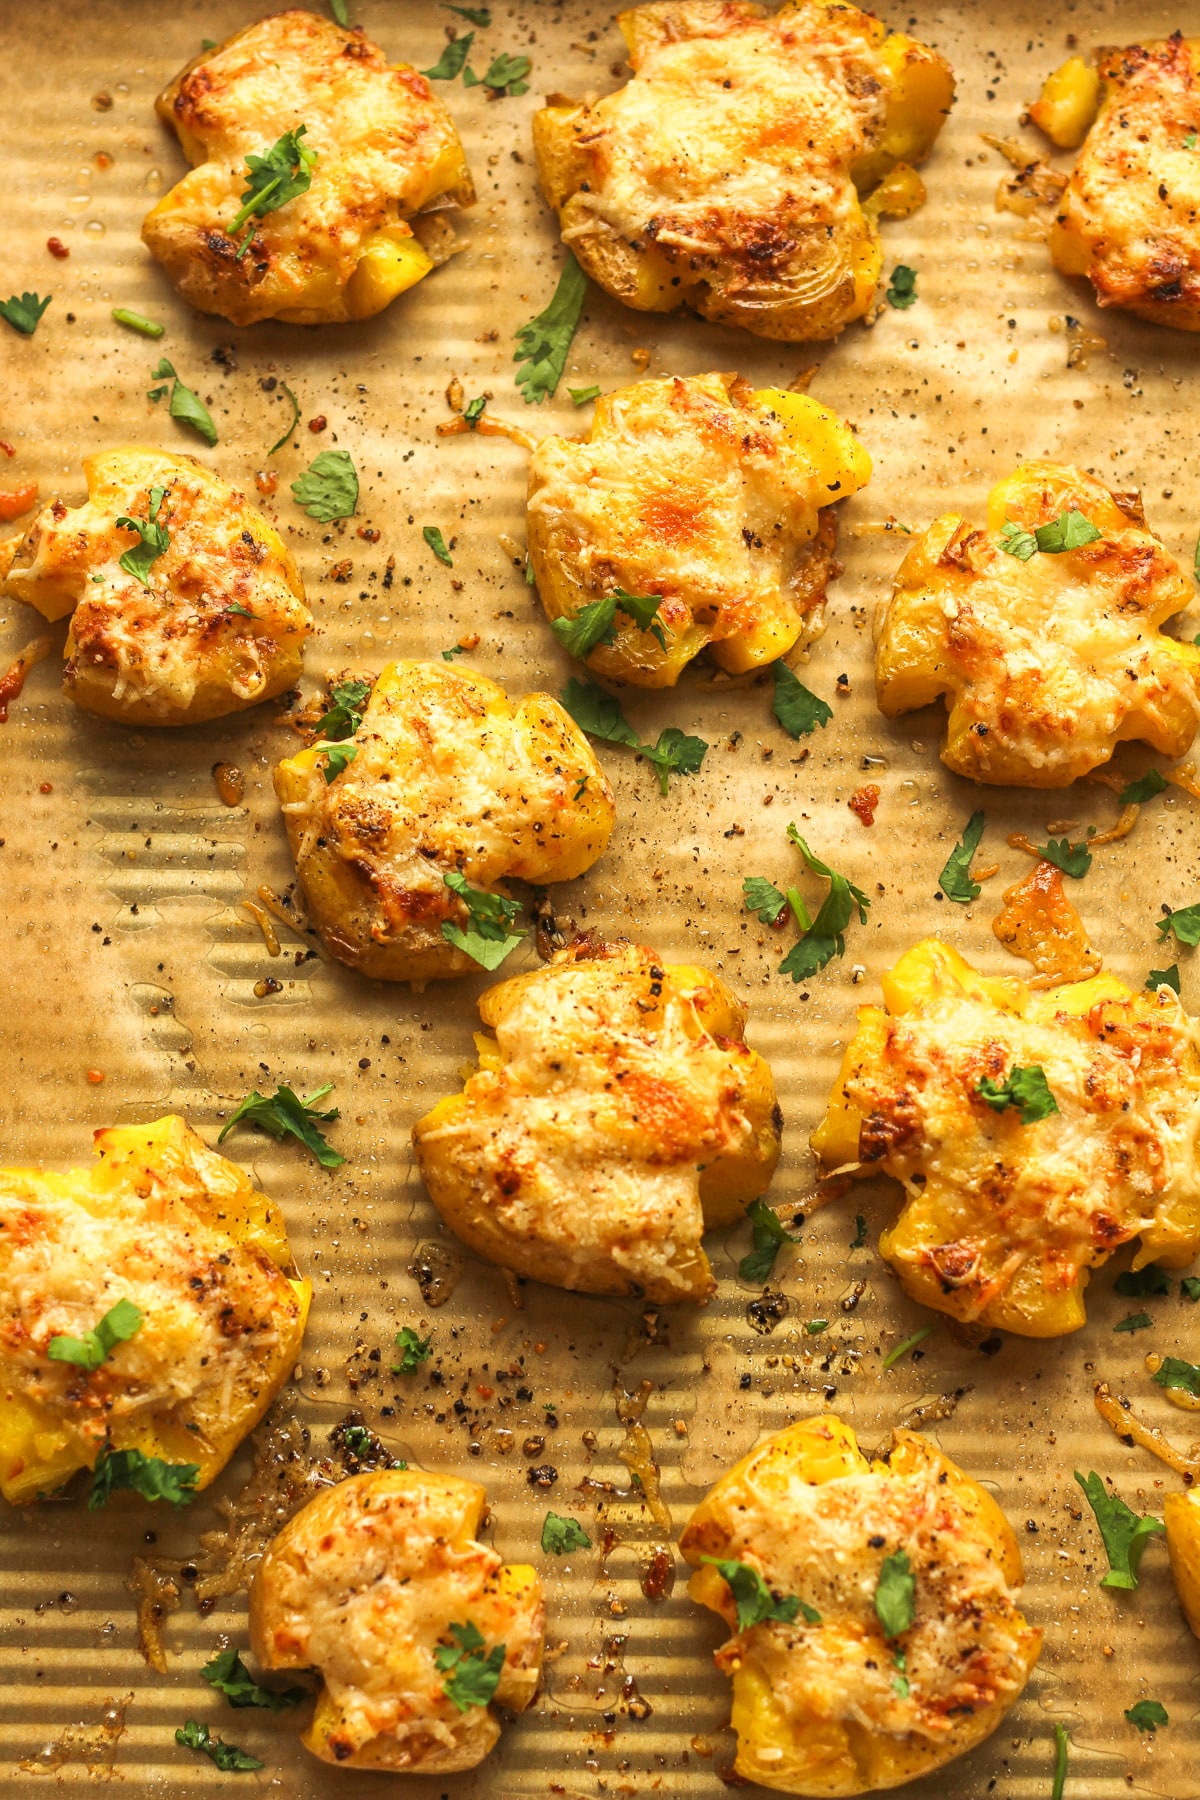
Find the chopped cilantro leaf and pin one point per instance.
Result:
(345, 715)
(474, 410)
(1189, 1287)
(272, 179)
(23, 311)
(596, 712)
(454, 650)
(1148, 1715)
(437, 543)
(154, 539)
(184, 405)
(449, 65)
(506, 75)
(338, 757)
(1016, 541)
(815, 1327)
(1025, 1088)
(1174, 1373)
(1070, 531)
(283, 1114)
(1125, 1533)
(755, 1602)
(543, 343)
(1144, 788)
(955, 879)
(798, 710)
(1061, 1745)
(581, 396)
(560, 1535)
(119, 1470)
(896, 1594)
(1185, 924)
(763, 899)
(909, 1343)
(477, 15)
(860, 1232)
(328, 489)
(227, 1757)
(1142, 1284)
(823, 939)
(414, 1350)
(768, 1237)
(229, 1675)
(119, 1324)
(595, 623)
(471, 1677)
(1073, 859)
(902, 289)
(282, 439)
(1135, 1322)
(488, 939)
(1164, 978)
(341, 13)
(136, 322)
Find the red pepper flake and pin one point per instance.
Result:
(47, 787)
(57, 248)
(864, 802)
(12, 683)
(319, 423)
(95, 1076)
(484, 1392)
(17, 500)
(369, 534)
(266, 481)
(102, 160)
(8, 449)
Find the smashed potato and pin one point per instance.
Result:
(1003, 1218)
(447, 776)
(171, 1227)
(1130, 217)
(616, 1115)
(1181, 1515)
(1047, 659)
(729, 173)
(385, 150)
(825, 1700)
(702, 491)
(366, 1584)
(217, 624)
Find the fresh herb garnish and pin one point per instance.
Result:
(955, 879)
(328, 489)
(488, 938)
(561, 1535)
(754, 1600)
(506, 75)
(414, 1350)
(348, 702)
(1189, 1287)
(1185, 924)
(1144, 788)
(815, 1327)
(341, 13)
(283, 1114)
(823, 936)
(477, 15)
(900, 1682)
(1164, 978)
(117, 1471)
(768, 1237)
(902, 289)
(1148, 1715)
(295, 420)
(1061, 1744)
(1174, 1373)
(437, 543)
(1125, 1533)
(22, 311)
(184, 405)
(471, 1677)
(896, 1594)
(449, 65)
(798, 710)
(154, 539)
(1135, 1322)
(596, 712)
(272, 179)
(763, 898)
(136, 322)
(1073, 859)
(338, 757)
(596, 623)
(1025, 1088)
(474, 410)
(543, 343)
(1142, 1284)
(229, 1675)
(860, 1232)
(1070, 531)
(226, 1756)
(357, 1440)
(581, 396)
(457, 650)
(910, 1343)
(119, 1324)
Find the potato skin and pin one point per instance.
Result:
(814, 1706)
(450, 774)
(364, 1583)
(175, 652)
(1130, 217)
(617, 1115)
(386, 149)
(1003, 1221)
(1047, 664)
(726, 174)
(166, 1222)
(703, 491)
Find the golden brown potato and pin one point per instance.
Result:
(617, 1115)
(171, 1227)
(702, 491)
(826, 1701)
(448, 776)
(727, 174)
(385, 149)
(366, 1584)
(1003, 1219)
(219, 622)
(1048, 660)
(1130, 217)
(1181, 1515)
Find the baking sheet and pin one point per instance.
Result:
(128, 953)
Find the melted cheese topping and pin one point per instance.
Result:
(363, 1585)
(694, 490)
(1130, 217)
(448, 775)
(578, 1158)
(175, 648)
(386, 147)
(1048, 663)
(73, 1245)
(992, 1202)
